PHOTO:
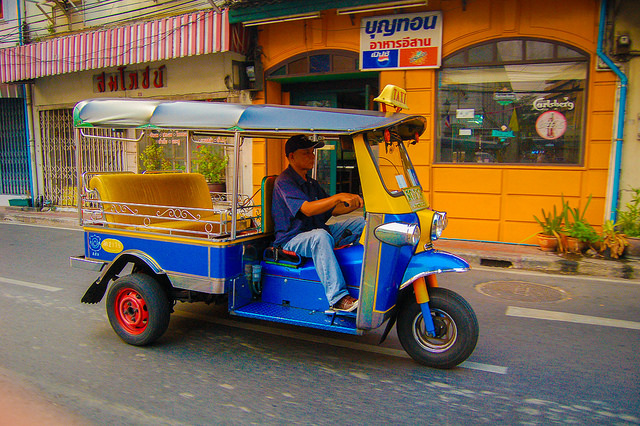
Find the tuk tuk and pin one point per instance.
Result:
(156, 239)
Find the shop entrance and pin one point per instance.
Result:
(336, 168)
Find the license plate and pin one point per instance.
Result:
(415, 198)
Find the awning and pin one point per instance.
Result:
(197, 33)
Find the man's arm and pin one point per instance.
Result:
(340, 203)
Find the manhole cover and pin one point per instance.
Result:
(522, 291)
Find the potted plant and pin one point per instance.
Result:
(613, 241)
(629, 223)
(211, 161)
(551, 223)
(153, 158)
(580, 233)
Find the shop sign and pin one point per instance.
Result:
(542, 104)
(502, 133)
(407, 41)
(465, 113)
(147, 78)
(504, 98)
(551, 125)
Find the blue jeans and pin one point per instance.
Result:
(318, 244)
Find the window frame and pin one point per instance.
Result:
(274, 72)
(461, 60)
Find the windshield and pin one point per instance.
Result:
(392, 161)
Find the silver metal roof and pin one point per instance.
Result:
(249, 120)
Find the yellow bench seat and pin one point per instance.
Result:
(173, 201)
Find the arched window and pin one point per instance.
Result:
(319, 62)
(512, 101)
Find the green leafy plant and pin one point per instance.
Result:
(211, 162)
(613, 240)
(629, 219)
(551, 224)
(583, 232)
(153, 158)
(576, 226)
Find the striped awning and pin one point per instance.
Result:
(197, 33)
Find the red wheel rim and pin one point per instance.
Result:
(131, 311)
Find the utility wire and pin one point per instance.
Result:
(84, 9)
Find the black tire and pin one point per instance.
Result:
(138, 309)
(456, 329)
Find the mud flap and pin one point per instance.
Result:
(95, 292)
(388, 328)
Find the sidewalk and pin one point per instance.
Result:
(499, 255)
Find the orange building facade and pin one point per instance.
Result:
(477, 158)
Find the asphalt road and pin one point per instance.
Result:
(552, 349)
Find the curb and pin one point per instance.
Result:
(31, 215)
(628, 269)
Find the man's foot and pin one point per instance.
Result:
(346, 304)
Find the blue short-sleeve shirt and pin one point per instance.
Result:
(290, 191)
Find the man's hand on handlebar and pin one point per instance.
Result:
(340, 203)
(347, 203)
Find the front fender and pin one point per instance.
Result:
(432, 262)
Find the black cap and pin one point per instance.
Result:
(300, 142)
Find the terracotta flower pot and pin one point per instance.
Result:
(547, 242)
(217, 187)
(574, 245)
(633, 249)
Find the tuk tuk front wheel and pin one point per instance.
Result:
(456, 329)
(138, 309)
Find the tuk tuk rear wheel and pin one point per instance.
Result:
(138, 309)
(456, 328)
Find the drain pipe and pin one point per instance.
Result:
(622, 102)
(28, 113)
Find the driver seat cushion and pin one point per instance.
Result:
(267, 197)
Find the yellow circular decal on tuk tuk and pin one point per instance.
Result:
(112, 246)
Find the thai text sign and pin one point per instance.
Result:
(412, 40)
(124, 79)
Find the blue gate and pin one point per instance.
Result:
(14, 148)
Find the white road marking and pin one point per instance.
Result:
(514, 311)
(30, 285)
(328, 340)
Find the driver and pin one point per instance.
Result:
(300, 211)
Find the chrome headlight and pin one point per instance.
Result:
(438, 223)
(398, 233)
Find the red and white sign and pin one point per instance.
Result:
(551, 125)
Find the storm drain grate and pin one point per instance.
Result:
(522, 291)
(496, 263)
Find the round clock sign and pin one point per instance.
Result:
(551, 125)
